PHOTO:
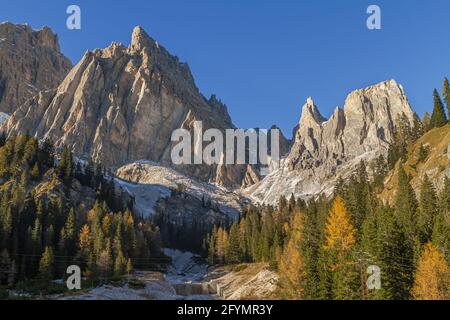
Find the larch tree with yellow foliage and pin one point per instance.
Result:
(432, 278)
(291, 266)
(340, 239)
(85, 253)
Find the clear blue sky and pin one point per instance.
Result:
(264, 58)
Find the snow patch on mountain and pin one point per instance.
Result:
(148, 182)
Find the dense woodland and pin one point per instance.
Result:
(322, 249)
(42, 231)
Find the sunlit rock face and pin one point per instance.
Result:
(30, 61)
(121, 104)
(324, 150)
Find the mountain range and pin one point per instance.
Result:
(120, 105)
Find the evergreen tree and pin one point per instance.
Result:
(396, 257)
(212, 247)
(68, 235)
(234, 254)
(417, 129)
(30, 152)
(406, 205)
(427, 210)
(2, 139)
(444, 198)
(423, 153)
(65, 166)
(46, 154)
(426, 122)
(368, 252)
(441, 234)
(438, 117)
(37, 237)
(380, 171)
(446, 94)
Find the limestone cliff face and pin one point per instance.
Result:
(324, 149)
(30, 61)
(121, 104)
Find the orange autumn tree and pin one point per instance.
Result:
(291, 266)
(432, 278)
(340, 239)
(340, 233)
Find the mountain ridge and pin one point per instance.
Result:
(30, 61)
(120, 104)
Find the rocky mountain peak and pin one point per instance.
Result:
(311, 114)
(121, 104)
(324, 150)
(47, 38)
(378, 98)
(22, 34)
(30, 61)
(140, 39)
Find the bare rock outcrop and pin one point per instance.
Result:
(121, 104)
(30, 61)
(324, 150)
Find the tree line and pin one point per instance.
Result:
(322, 248)
(42, 230)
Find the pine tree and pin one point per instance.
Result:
(2, 139)
(85, 245)
(438, 117)
(441, 234)
(406, 205)
(427, 209)
(46, 265)
(65, 166)
(446, 94)
(30, 152)
(46, 154)
(37, 237)
(396, 257)
(120, 264)
(423, 153)
(368, 252)
(234, 254)
(380, 171)
(212, 246)
(104, 264)
(432, 278)
(426, 122)
(70, 231)
(417, 129)
(444, 198)
(129, 267)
